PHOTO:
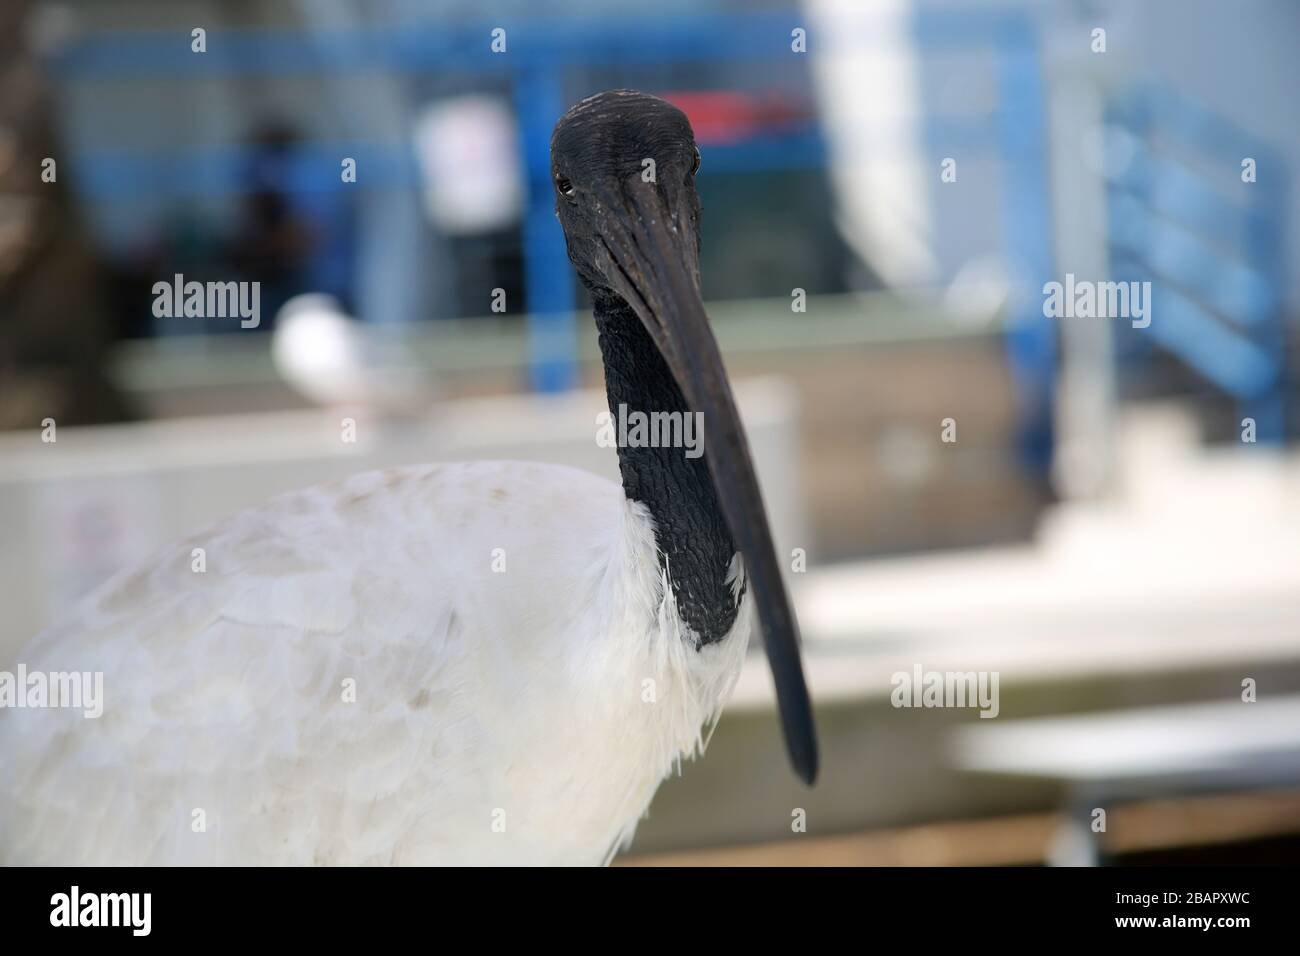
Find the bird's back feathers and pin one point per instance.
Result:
(440, 664)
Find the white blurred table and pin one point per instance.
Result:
(1147, 752)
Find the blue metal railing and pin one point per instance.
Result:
(1182, 218)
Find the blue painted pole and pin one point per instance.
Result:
(548, 281)
(1027, 237)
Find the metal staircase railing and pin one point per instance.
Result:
(1182, 217)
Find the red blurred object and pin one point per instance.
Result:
(728, 117)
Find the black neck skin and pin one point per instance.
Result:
(695, 546)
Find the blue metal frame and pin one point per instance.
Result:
(1018, 138)
(538, 54)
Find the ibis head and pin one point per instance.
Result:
(623, 166)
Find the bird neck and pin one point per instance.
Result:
(671, 478)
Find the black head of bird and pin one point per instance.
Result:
(623, 166)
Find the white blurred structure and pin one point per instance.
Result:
(469, 155)
(1142, 752)
(869, 93)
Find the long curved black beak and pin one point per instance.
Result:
(653, 264)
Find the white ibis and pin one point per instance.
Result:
(490, 662)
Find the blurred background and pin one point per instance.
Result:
(1108, 517)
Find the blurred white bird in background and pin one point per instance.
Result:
(331, 359)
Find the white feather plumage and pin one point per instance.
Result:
(500, 717)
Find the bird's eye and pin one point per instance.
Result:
(564, 186)
(695, 165)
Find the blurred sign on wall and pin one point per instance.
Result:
(468, 150)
